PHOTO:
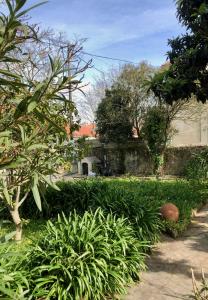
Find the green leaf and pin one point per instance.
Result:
(50, 182)
(8, 73)
(13, 164)
(10, 59)
(9, 236)
(19, 4)
(51, 63)
(36, 196)
(10, 7)
(37, 147)
(23, 135)
(43, 116)
(24, 12)
(5, 133)
(32, 105)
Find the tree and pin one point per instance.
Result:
(94, 93)
(157, 131)
(134, 80)
(34, 116)
(123, 109)
(113, 121)
(188, 57)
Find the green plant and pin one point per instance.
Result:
(137, 200)
(13, 283)
(200, 293)
(197, 167)
(85, 257)
(143, 213)
(156, 133)
(35, 114)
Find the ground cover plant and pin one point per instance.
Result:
(13, 282)
(78, 257)
(106, 216)
(137, 200)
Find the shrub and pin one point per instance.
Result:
(74, 195)
(85, 257)
(197, 167)
(137, 200)
(142, 213)
(13, 283)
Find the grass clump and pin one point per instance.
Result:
(13, 282)
(85, 257)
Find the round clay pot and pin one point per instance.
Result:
(170, 212)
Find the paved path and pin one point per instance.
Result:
(169, 267)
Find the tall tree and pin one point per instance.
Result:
(113, 120)
(123, 109)
(34, 114)
(134, 80)
(188, 57)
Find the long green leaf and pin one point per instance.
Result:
(24, 12)
(36, 196)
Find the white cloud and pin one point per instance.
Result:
(128, 27)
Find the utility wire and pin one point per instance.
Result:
(111, 58)
(91, 66)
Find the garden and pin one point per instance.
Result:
(88, 239)
(92, 237)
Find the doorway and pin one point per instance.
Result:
(85, 170)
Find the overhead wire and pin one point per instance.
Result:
(108, 57)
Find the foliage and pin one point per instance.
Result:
(85, 257)
(197, 168)
(137, 200)
(200, 293)
(129, 218)
(34, 118)
(134, 80)
(156, 132)
(113, 122)
(188, 57)
(13, 283)
(125, 104)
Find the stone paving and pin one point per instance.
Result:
(169, 266)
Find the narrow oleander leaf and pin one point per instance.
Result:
(24, 12)
(36, 196)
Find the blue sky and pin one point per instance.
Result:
(134, 30)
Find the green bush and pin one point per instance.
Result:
(86, 257)
(142, 213)
(137, 200)
(13, 283)
(74, 195)
(197, 167)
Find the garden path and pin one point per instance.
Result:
(169, 266)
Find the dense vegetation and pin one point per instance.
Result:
(188, 57)
(139, 201)
(107, 227)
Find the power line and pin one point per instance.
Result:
(111, 58)
(91, 66)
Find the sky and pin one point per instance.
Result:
(133, 30)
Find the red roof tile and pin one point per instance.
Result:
(86, 130)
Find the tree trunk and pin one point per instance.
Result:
(18, 223)
(159, 172)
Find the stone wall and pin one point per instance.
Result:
(133, 158)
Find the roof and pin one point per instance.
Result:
(86, 130)
(92, 159)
